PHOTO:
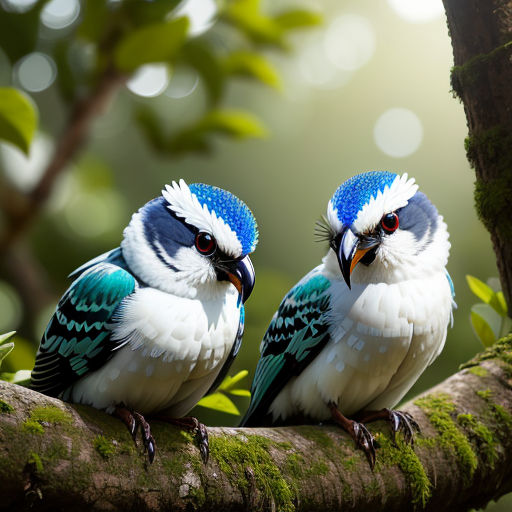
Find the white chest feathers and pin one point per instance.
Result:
(175, 348)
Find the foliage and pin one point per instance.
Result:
(119, 38)
(18, 118)
(219, 401)
(489, 319)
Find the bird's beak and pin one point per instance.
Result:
(243, 277)
(350, 251)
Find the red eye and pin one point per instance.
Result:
(205, 243)
(389, 222)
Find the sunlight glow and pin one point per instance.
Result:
(201, 14)
(150, 80)
(417, 11)
(59, 14)
(398, 132)
(349, 42)
(35, 72)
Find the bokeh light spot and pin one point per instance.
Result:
(17, 5)
(183, 83)
(398, 132)
(201, 15)
(149, 81)
(24, 172)
(349, 42)
(417, 11)
(59, 14)
(35, 72)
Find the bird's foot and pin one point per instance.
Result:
(359, 433)
(200, 431)
(399, 421)
(134, 420)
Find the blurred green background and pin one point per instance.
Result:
(366, 89)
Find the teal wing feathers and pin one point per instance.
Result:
(78, 338)
(295, 336)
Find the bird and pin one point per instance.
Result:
(153, 325)
(352, 337)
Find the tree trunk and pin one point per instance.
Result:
(481, 33)
(56, 456)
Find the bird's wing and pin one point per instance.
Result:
(296, 334)
(78, 337)
(231, 357)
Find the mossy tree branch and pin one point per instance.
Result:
(481, 34)
(54, 456)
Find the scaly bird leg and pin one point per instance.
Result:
(195, 426)
(399, 421)
(359, 433)
(133, 420)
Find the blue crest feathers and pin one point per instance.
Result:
(231, 210)
(352, 195)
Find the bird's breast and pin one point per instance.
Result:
(175, 348)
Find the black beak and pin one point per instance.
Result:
(241, 274)
(350, 251)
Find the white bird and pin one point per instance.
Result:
(152, 326)
(355, 334)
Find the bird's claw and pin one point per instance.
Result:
(145, 431)
(202, 441)
(405, 423)
(365, 441)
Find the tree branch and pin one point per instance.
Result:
(54, 456)
(21, 210)
(481, 34)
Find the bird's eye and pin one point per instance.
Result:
(389, 222)
(205, 243)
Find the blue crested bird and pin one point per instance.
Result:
(150, 327)
(353, 336)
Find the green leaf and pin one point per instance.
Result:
(247, 17)
(21, 377)
(144, 12)
(499, 304)
(19, 31)
(298, 18)
(5, 350)
(240, 392)
(95, 15)
(486, 323)
(159, 42)
(6, 336)
(253, 65)
(236, 123)
(229, 382)
(480, 289)
(219, 402)
(18, 118)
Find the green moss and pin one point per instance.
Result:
(52, 415)
(104, 447)
(468, 73)
(32, 427)
(5, 407)
(295, 465)
(318, 468)
(439, 408)
(349, 462)
(36, 462)
(317, 435)
(502, 350)
(404, 456)
(484, 393)
(479, 371)
(484, 438)
(237, 454)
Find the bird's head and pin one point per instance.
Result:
(380, 224)
(192, 241)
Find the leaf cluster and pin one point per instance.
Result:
(489, 319)
(117, 39)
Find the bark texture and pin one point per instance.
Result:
(481, 33)
(54, 456)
